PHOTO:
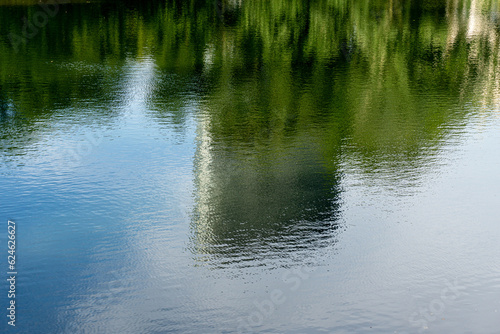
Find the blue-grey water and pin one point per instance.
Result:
(251, 166)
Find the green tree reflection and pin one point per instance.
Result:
(289, 90)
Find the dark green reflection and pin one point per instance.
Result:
(266, 200)
(299, 87)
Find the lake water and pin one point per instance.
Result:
(324, 166)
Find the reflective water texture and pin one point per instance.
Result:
(326, 166)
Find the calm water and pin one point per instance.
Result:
(251, 166)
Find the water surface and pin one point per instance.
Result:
(252, 166)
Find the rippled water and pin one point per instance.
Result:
(251, 166)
